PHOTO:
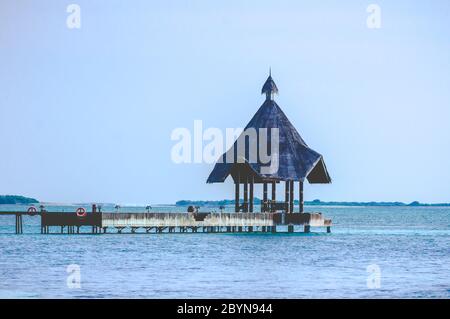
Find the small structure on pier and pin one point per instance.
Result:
(296, 161)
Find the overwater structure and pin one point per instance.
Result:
(291, 161)
(296, 161)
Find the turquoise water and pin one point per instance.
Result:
(409, 245)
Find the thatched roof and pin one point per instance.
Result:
(297, 161)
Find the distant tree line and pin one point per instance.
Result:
(15, 199)
(316, 202)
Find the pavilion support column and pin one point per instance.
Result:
(274, 195)
(286, 196)
(251, 194)
(236, 198)
(291, 197)
(300, 198)
(264, 205)
(246, 195)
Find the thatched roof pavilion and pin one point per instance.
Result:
(296, 161)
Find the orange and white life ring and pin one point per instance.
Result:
(32, 211)
(81, 212)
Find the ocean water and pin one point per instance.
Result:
(372, 252)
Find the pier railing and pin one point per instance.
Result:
(185, 219)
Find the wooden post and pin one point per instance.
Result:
(19, 227)
(264, 205)
(251, 194)
(286, 196)
(291, 197)
(300, 199)
(236, 198)
(274, 194)
(246, 195)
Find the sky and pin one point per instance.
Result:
(86, 114)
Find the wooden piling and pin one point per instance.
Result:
(246, 195)
(300, 199)
(236, 198)
(264, 204)
(286, 196)
(274, 195)
(19, 227)
(307, 228)
(291, 197)
(19, 223)
(251, 194)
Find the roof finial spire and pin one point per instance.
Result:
(269, 87)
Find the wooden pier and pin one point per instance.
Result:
(291, 161)
(159, 222)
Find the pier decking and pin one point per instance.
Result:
(163, 222)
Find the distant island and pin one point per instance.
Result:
(316, 202)
(16, 199)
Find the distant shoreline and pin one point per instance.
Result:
(17, 199)
(315, 202)
(22, 200)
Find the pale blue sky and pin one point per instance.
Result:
(86, 115)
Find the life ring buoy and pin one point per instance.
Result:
(32, 211)
(81, 212)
